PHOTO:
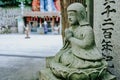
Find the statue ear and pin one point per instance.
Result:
(79, 18)
(82, 15)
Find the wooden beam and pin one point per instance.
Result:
(41, 14)
(64, 4)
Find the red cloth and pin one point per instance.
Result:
(57, 4)
(36, 5)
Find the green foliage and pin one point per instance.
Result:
(5, 30)
(7, 3)
(1, 3)
(20, 0)
(25, 1)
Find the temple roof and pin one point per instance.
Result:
(41, 14)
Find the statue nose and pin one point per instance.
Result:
(70, 19)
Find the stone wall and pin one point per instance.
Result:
(107, 32)
(8, 16)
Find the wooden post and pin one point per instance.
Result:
(64, 4)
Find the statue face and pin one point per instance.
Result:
(72, 17)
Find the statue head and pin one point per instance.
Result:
(72, 18)
(77, 10)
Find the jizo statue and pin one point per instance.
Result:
(79, 59)
(27, 31)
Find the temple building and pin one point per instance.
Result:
(43, 15)
(53, 13)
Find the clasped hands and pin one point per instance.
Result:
(68, 34)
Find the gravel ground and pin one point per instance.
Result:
(15, 67)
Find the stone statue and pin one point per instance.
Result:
(79, 59)
(27, 31)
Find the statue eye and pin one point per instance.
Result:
(71, 14)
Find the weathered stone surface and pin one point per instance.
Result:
(112, 36)
(8, 15)
(79, 59)
(13, 29)
(47, 75)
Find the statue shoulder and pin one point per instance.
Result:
(88, 29)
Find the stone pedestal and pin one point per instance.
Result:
(45, 75)
(20, 22)
(107, 32)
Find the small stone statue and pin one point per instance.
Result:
(27, 31)
(79, 59)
